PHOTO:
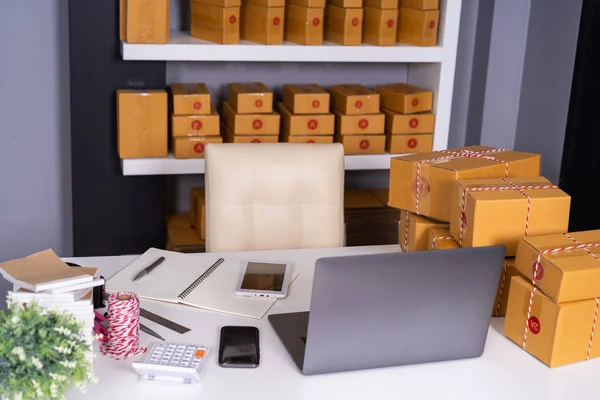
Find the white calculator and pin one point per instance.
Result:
(182, 363)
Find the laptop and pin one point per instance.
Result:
(383, 310)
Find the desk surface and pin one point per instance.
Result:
(504, 371)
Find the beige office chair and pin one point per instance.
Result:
(274, 196)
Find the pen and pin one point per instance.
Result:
(149, 268)
(149, 331)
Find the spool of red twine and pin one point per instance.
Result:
(123, 326)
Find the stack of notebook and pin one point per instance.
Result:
(44, 278)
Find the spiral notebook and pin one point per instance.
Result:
(201, 281)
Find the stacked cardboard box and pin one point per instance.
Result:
(380, 22)
(369, 221)
(216, 21)
(305, 115)
(142, 126)
(409, 122)
(194, 120)
(344, 22)
(418, 22)
(304, 21)
(182, 235)
(359, 125)
(248, 116)
(262, 21)
(143, 21)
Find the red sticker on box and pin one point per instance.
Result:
(310, 141)
(316, 21)
(534, 325)
(415, 102)
(255, 141)
(199, 148)
(358, 104)
(257, 124)
(413, 123)
(424, 190)
(258, 103)
(196, 125)
(390, 23)
(276, 21)
(355, 21)
(197, 105)
(316, 104)
(537, 271)
(313, 124)
(232, 19)
(412, 143)
(432, 24)
(363, 123)
(364, 144)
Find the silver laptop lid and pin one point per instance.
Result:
(400, 308)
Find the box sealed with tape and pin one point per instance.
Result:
(414, 230)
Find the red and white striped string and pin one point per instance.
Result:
(589, 352)
(452, 155)
(123, 324)
(406, 228)
(435, 239)
(501, 293)
(528, 316)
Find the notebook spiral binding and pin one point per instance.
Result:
(201, 279)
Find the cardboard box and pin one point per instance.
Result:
(304, 25)
(420, 4)
(414, 230)
(438, 171)
(306, 99)
(382, 4)
(307, 139)
(188, 125)
(262, 25)
(192, 146)
(401, 144)
(354, 99)
(563, 275)
(440, 239)
(302, 125)
(250, 124)
(404, 98)
(181, 235)
(219, 3)
(343, 26)
(215, 24)
(198, 211)
(555, 334)
(345, 3)
(142, 125)
(143, 21)
(307, 3)
(408, 124)
(382, 195)
(265, 3)
(370, 124)
(361, 199)
(250, 98)
(229, 137)
(362, 144)
(190, 99)
(499, 211)
(379, 26)
(508, 271)
(416, 27)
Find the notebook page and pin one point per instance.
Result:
(166, 281)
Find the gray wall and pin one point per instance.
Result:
(35, 154)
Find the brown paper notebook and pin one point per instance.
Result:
(42, 271)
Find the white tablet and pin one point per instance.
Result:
(264, 279)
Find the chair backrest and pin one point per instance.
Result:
(274, 196)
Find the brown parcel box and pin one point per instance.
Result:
(414, 231)
(563, 273)
(408, 124)
(343, 25)
(379, 26)
(382, 4)
(438, 170)
(249, 98)
(192, 146)
(345, 3)
(220, 3)
(143, 21)
(555, 334)
(188, 125)
(265, 3)
(499, 211)
(362, 144)
(250, 124)
(215, 24)
(307, 139)
(416, 27)
(190, 99)
(508, 271)
(262, 25)
(354, 99)
(369, 124)
(360, 198)
(307, 3)
(198, 211)
(142, 126)
(319, 124)
(306, 99)
(181, 235)
(304, 25)
(405, 99)
(229, 137)
(400, 144)
(420, 4)
(440, 239)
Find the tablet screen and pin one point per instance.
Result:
(264, 276)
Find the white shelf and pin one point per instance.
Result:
(173, 166)
(182, 47)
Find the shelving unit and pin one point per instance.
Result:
(428, 67)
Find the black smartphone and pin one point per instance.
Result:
(238, 347)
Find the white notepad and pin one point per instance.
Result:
(201, 281)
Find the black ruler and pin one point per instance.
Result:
(163, 321)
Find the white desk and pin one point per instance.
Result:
(503, 372)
